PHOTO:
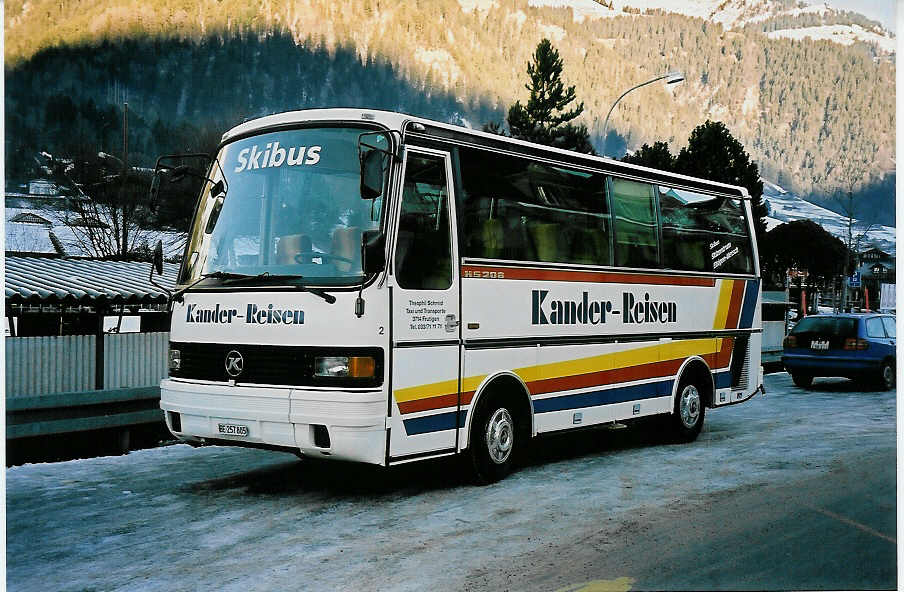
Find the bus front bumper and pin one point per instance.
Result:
(346, 425)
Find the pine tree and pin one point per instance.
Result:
(545, 118)
(713, 153)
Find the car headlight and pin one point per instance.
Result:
(175, 359)
(344, 366)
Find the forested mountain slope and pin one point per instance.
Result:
(190, 68)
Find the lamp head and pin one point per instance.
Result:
(674, 77)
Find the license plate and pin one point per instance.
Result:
(819, 344)
(231, 429)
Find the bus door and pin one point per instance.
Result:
(426, 332)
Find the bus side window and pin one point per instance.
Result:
(424, 246)
(636, 230)
(704, 232)
(514, 208)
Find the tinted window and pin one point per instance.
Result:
(513, 208)
(636, 234)
(424, 249)
(874, 327)
(831, 326)
(704, 232)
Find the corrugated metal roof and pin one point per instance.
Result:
(36, 280)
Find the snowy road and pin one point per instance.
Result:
(233, 519)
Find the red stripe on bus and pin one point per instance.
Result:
(734, 308)
(590, 379)
(599, 277)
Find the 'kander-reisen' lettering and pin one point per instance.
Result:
(547, 311)
(274, 156)
(254, 315)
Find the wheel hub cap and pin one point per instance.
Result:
(689, 406)
(500, 436)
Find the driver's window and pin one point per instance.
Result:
(424, 247)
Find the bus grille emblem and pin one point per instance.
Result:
(235, 363)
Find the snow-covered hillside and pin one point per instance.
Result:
(731, 14)
(785, 206)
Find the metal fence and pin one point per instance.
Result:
(47, 365)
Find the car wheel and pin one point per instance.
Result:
(495, 442)
(690, 409)
(802, 380)
(886, 378)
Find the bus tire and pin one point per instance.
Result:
(690, 409)
(495, 442)
(801, 380)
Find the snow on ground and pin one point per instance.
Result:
(843, 34)
(234, 519)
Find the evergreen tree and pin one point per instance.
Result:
(656, 156)
(713, 153)
(545, 118)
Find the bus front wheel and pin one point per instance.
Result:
(495, 442)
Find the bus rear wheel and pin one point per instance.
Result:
(690, 409)
(495, 442)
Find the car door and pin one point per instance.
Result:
(424, 414)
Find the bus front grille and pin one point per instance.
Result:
(268, 364)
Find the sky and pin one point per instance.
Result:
(878, 10)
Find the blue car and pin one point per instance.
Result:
(857, 346)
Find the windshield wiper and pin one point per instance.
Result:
(219, 275)
(270, 276)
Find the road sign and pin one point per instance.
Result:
(855, 279)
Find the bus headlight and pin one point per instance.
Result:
(344, 366)
(175, 359)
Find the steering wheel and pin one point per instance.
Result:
(306, 256)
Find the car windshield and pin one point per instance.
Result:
(832, 326)
(292, 207)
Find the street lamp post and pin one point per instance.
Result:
(672, 77)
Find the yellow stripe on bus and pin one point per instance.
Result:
(724, 304)
(672, 350)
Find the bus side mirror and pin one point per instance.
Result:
(158, 258)
(371, 174)
(373, 252)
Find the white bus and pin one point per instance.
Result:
(376, 287)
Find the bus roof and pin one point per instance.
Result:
(437, 130)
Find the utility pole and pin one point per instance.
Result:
(125, 170)
(847, 256)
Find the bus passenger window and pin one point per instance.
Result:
(424, 247)
(704, 232)
(636, 230)
(512, 207)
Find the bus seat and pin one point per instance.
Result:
(346, 243)
(589, 246)
(289, 246)
(545, 239)
(492, 238)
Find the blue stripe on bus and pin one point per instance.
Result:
(722, 379)
(605, 397)
(434, 423)
(446, 421)
(750, 298)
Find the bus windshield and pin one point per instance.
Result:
(292, 207)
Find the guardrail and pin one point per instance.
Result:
(64, 413)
